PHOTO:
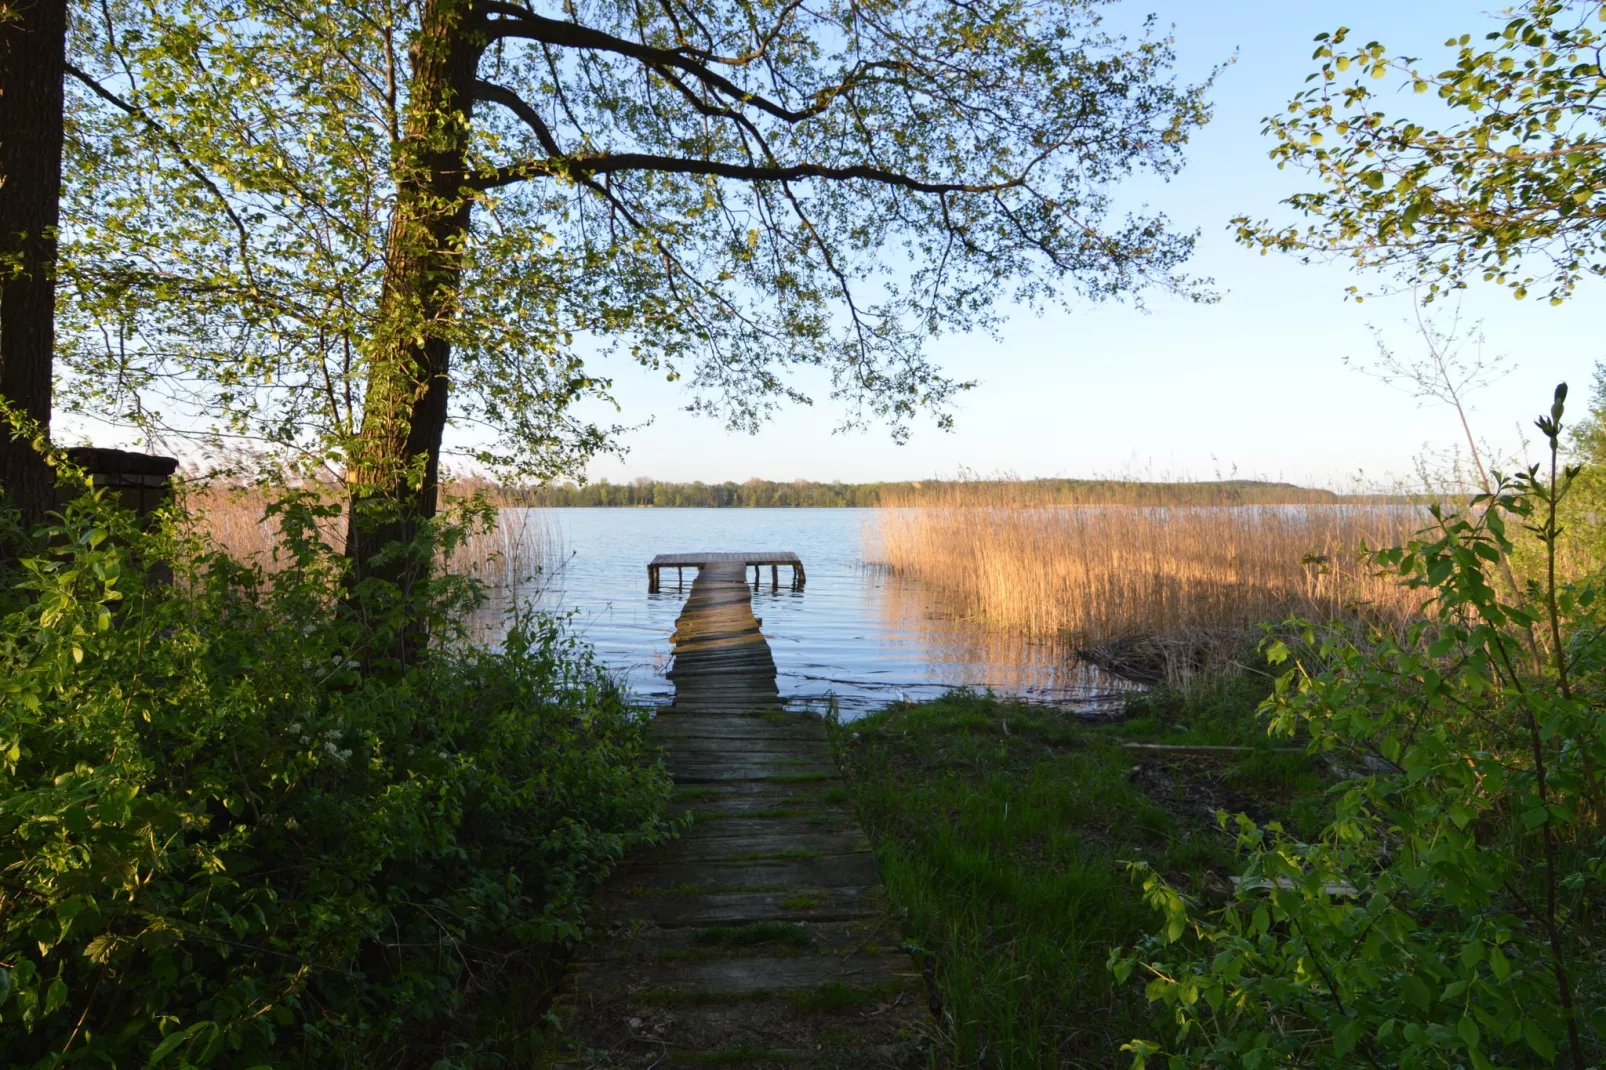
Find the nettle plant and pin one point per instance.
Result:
(1450, 914)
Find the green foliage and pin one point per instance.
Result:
(1514, 191)
(1583, 511)
(753, 494)
(637, 179)
(1588, 438)
(768, 494)
(1450, 913)
(231, 834)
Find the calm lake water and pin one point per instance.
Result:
(854, 633)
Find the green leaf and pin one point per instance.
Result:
(1499, 965)
(1416, 991)
(55, 995)
(171, 1042)
(1347, 1035)
(1468, 1031)
(1542, 1045)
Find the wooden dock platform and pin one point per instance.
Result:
(760, 937)
(754, 560)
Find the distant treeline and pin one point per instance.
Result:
(767, 494)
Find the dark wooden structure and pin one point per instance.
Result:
(754, 560)
(761, 936)
(139, 481)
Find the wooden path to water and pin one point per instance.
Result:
(760, 937)
(753, 559)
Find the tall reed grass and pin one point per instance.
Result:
(519, 547)
(1091, 574)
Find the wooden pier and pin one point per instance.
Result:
(755, 561)
(760, 937)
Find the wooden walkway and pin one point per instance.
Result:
(753, 559)
(759, 938)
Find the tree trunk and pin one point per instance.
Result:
(33, 48)
(394, 467)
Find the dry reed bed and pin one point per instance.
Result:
(509, 554)
(1095, 573)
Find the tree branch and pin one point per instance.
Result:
(491, 93)
(614, 163)
(152, 126)
(525, 24)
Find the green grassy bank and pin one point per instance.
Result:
(1002, 829)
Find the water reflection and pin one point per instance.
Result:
(1042, 670)
(855, 634)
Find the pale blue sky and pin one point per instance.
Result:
(1256, 382)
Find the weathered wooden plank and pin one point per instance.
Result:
(767, 795)
(648, 944)
(749, 975)
(723, 821)
(798, 831)
(744, 558)
(747, 908)
(748, 749)
(715, 772)
(855, 870)
(721, 843)
(672, 727)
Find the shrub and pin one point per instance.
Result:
(232, 833)
(1451, 913)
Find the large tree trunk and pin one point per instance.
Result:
(33, 49)
(394, 465)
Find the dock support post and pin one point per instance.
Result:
(680, 578)
(775, 577)
(652, 580)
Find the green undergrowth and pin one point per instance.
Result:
(240, 826)
(1001, 829)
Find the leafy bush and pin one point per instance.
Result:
(231, 833)
(1451, 913)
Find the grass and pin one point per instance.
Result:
(804, 901)
(1016, 560)
(1000, 829)
(837, 995)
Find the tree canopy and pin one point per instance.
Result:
(724, 191)
(1511, 189)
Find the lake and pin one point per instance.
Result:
(855, 634)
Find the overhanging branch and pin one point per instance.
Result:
(492, 93)
(577, 167)
(518, 22)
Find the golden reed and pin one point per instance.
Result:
(1088, 573)
(510, 553)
